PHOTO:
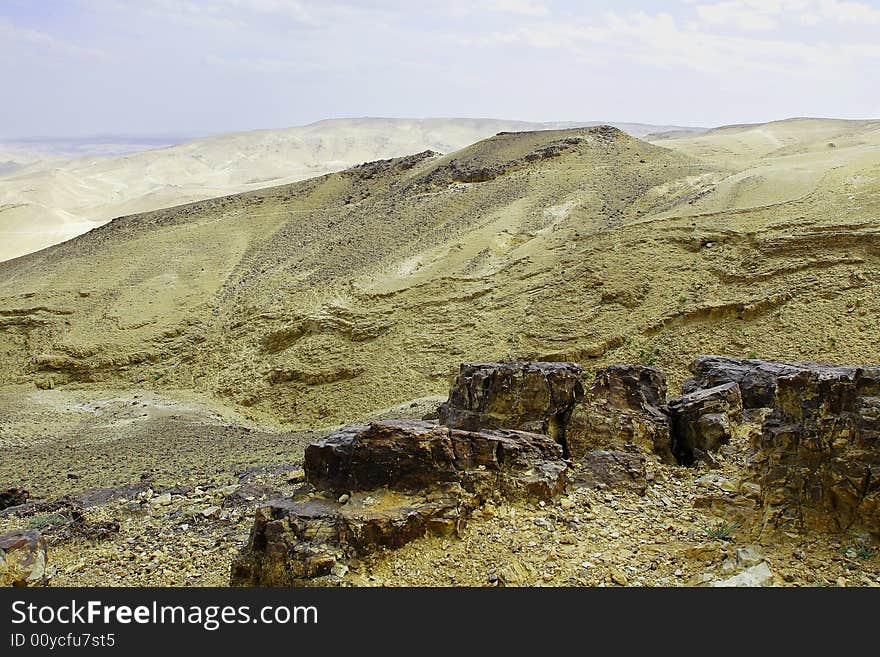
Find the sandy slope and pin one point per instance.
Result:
(51, 200)
(321, 301)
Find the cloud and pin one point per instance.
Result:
(660, 40)
(739, 15)
(854, 13)
(256, 63)
(41, 44)
(523, 7)
(766, 15)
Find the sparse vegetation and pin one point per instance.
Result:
(865, 552)
(861, 552)
(722, 531)
(45, 520)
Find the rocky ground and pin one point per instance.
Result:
(596, 538)
(682, 532)
(55, 442)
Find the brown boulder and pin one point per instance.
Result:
(23, 557)
(611, 469)
(701, 421)
(413, 456)
(819, 450)
(534, 397)
(622, 408)
(386, 484)
(294, 542)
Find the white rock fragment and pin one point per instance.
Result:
(759, 575)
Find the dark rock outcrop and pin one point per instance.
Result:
(413, 456)
(702, 421)
(294, 542)
(819, 451)
(535, 397)
(389, 483)
(23, 557)
(622, 408)
(13, 497)
(756, 378)
(611, 469)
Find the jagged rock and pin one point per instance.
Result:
(535, 397)
(701, 421)
(631, 386)
(13, 497)
(621, 470)
(759, 575)
(409, 455)
(732, 507)
(514, 573)
(400, 481)
(756, 378)
(23, 556)
(819, 450)
(294, 542)
(745, 557)
(621, 408)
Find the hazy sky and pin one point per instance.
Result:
(84, 67)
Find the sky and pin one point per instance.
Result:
(194, 67)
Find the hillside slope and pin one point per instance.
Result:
(318, 302)
(50, 200)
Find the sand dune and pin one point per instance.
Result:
(51, 199)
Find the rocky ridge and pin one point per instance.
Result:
(301, 542)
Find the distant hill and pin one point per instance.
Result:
(47, 197)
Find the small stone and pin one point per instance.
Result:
(513, 574)
(345, 497)
(618, 577)
(339, 570)
(211, 512)
(160, 500)
(748, 557)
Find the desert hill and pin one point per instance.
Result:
(317, 302)
(48, 194)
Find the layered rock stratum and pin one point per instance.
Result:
(318, 302)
